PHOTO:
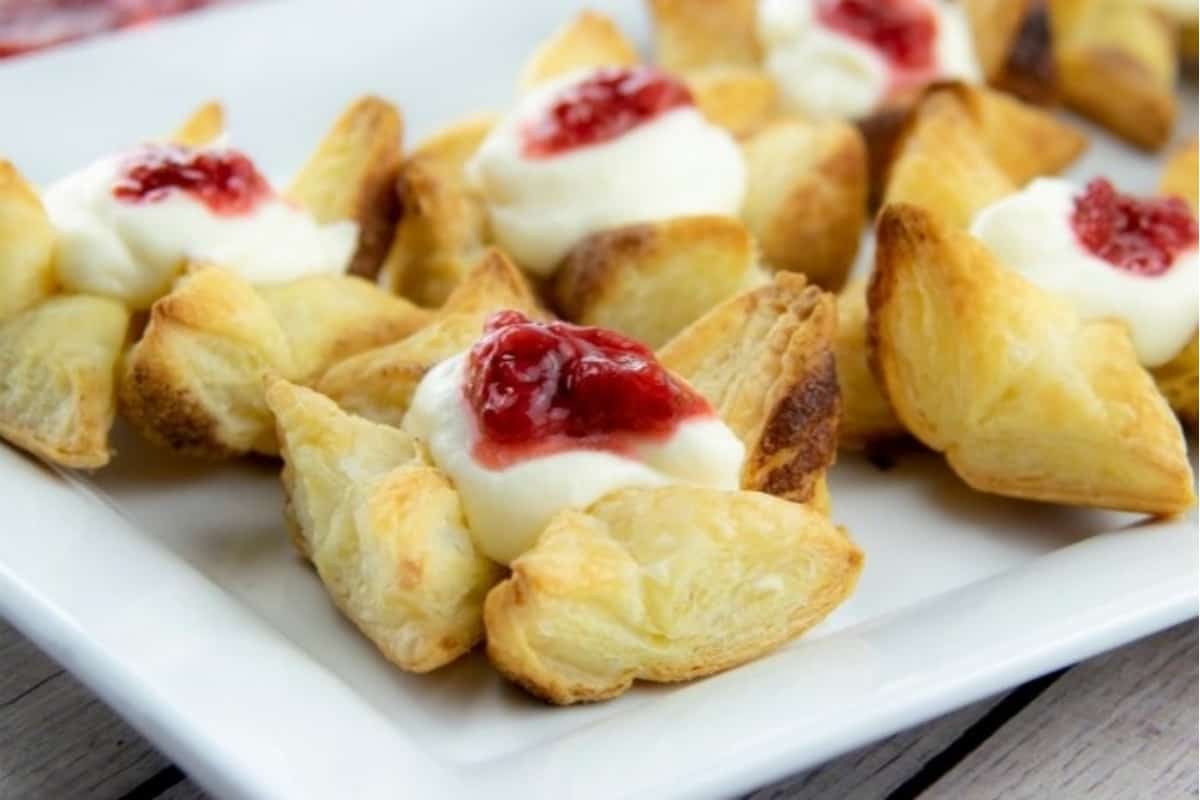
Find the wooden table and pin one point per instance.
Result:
(1123, 725)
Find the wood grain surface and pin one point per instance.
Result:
(1122, 725)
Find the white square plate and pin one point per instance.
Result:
(172, 590)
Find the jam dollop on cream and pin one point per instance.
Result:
(848, 58)
(129, 224)
(1110, 255)
(541, 417)
(225, 180)
(602, 107)
(599, 148)
(1143, 235)
(538, 388)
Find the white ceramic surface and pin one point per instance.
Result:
(171, 589)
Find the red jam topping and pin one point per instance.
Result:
(544, 387)
(224, 180)
(607, 104)
(1141, 235)
(903, 31)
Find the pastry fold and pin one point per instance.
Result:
(650, 281)
(443, 226)
(26, 244)
(695, 34)
(739, 99)
(58, 362)
(590, 39)
(204, 125)
(1022, 396)
(663, 585)
(963, 148)
(352, 176)
(194, 382)
(1013, 44)
(384, 529)
(867, 417)
(806, 197)
(764, 361)
(1116, 63)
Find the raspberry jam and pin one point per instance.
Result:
(1141, 235)
(903, 31)
(224, 180)
(538, 388)
(610, 102)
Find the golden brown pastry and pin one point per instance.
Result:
(1013, 44)
(739, 99)
(204, 125)
(1178, 379)
(1024, 398)
(695, 34)
(26, 244)
(352, 175)
(663, 585)
(764, 361)
(443, 225)
(383, 528)
(963, 148)
(806, 197)
(328, 318)
(590, 39)
(57, 367)
(378, 384)
(650, 281)
(867, 417)
(194, 382)
(1116, 63)
(1180, 174)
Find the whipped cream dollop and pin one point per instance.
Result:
(671, 165)
(508, 508)
(823, 72)
(132, 250)
(1031, 232)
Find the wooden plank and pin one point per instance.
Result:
(22, 666)
(184, 791)
(1123, 725)
(877, 769)
(57, 740)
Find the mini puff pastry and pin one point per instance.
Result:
(804, 206)
(58, 361)
(378, 383)
(193, 382)
(663, 585)
(383, 528)
(1116, 63)
(1022, 396)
